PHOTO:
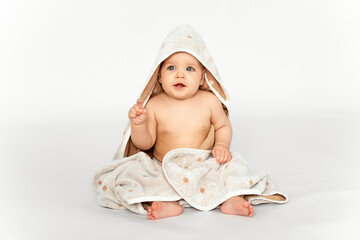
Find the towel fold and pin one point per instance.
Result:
(190, 176)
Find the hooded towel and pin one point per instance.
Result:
(190, 176)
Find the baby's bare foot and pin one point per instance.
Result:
(164, 209)
(237, 206)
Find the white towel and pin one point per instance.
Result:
(190, 175)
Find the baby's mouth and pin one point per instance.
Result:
(179, 85)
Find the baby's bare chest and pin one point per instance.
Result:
(183, 120)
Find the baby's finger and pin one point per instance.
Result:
(230, 156)
(139, 103)
(216, 156)
(222, 156)
(132, 113)
(142, 109)
(137, 109)
(213, 152)
(219, 155)
(227, 157)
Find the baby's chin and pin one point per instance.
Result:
(180, 97)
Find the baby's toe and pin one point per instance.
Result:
(251, 210)
(155, 205)
(251, 213)
(151, 216)
(245, 204)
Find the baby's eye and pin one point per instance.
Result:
(190, 68)
(171, 67)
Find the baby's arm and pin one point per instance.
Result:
(143, 126)
(223, 131)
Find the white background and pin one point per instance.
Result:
(70, 70)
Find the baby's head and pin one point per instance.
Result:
(181, 75)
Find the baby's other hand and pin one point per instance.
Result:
(221, 153)
(137, 114)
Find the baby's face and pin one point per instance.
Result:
(181, 74)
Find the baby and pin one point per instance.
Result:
(181, 117)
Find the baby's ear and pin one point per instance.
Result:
(159, 78)
(202, 77)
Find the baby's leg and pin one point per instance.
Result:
(237, 206)
(163, 209)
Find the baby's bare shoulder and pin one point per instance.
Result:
(208, 97)
(155, 101)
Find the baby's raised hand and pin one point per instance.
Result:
(137, 114)
(221, 153)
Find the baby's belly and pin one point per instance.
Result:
(166, 142)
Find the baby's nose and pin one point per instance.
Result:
(180, 74)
